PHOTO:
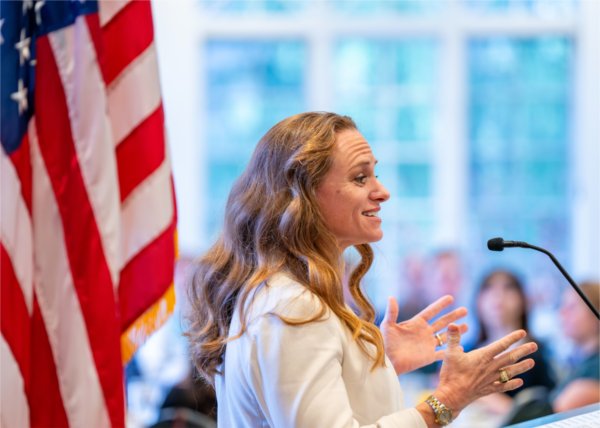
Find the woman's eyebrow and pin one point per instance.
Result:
(364, 162)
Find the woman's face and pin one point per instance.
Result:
(578, 322)
(500, 304)
(350, 194)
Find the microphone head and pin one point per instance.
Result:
(495, 244)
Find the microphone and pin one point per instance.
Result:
(499, 244)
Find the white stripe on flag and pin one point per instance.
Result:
(15, 228)
(78, 380)
(139, 82)
(86, 101)
(15, 407)
(108, 9)
(153, 195)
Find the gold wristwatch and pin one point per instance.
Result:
(443, 415)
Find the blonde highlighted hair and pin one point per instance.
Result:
(272, 224)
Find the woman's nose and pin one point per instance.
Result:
(380, 193)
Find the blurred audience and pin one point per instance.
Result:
(501, 306)
(580, 384)
(580, 381)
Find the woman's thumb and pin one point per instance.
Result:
(391, 311)
(453, 335)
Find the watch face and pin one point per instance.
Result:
(445, 416)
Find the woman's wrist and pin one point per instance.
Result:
(433, 419)
(427, 414)
(450, 400)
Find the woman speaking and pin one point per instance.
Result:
(269, 327)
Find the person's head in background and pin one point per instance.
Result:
(500, 305)
(412, 287)
(578, 322)
(446, 274)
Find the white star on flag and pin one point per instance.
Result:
(23, 47)
(20, 97)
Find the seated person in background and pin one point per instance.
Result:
(501, 307)
(190, 403)
(446, 274)
(581, 385)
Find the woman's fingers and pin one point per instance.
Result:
(391, 311)
(511, 381)
(462, 328)
(509, 386)
(509, 362)
(514, 355)
(517, 369)
(435, 308)
(503, 344)
(448, 318)
(493, 368)
(453, 335)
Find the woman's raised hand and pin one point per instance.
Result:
(465, 377)
(415, 343)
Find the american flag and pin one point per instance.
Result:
(87, 207)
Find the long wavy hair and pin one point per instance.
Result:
(273, 224)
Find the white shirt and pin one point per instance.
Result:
(311, 375)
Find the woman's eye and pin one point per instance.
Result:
(361, 179)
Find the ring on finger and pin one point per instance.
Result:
(439, 339)
(504, 377)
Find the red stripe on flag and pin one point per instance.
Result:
(147, 271)
(22, 162)
(128, 34)
(14, 317)
(87, 262)
(141, 152)
(45, 401)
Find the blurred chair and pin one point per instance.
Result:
(190, 403)
(181, 417)
(529, 403)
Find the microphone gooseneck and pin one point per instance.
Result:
(499, 244)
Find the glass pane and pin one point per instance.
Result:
(236, 6)
(519, 126)
(221, 176)
(382, 6)
(388, 88)
(250, 86)
(414, 180)
(536, 7)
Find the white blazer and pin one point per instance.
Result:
(312, 375)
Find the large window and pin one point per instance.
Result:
(469, 105)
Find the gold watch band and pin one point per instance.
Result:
(443, 415)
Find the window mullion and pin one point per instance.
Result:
(319, 92)
(450, 147)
